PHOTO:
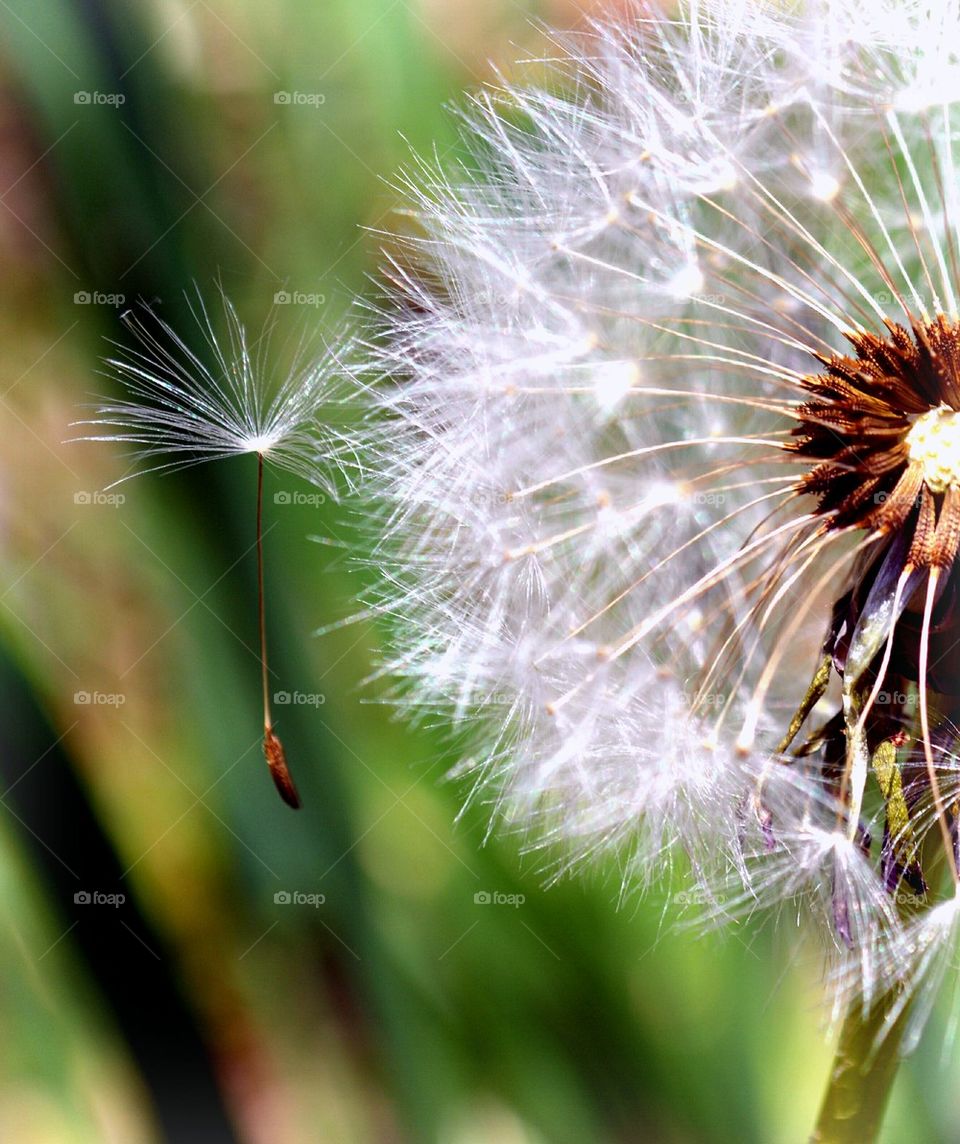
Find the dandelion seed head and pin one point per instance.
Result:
(662, 416)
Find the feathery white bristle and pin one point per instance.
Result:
(186, 405)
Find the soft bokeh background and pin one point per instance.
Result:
(145, 146)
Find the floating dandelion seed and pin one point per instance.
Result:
(666, 418)
(183, 411)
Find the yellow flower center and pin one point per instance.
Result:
(934, 443)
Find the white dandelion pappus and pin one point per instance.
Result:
(493, 359)
(664, 406)
(188, 409)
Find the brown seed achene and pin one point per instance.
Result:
(857, 427)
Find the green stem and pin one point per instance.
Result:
(862, 1074)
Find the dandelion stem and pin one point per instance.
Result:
(264, 671)
(863, 1071)
(272, 747)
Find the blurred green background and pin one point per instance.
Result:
(145, 146)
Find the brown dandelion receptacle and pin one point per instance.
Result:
(884, 426)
